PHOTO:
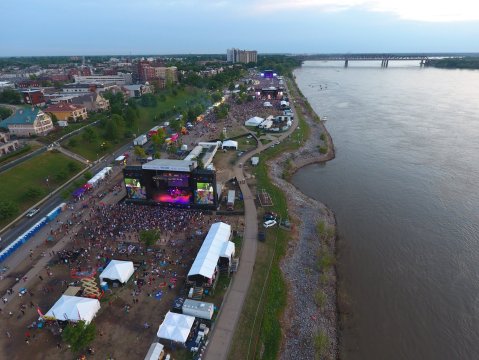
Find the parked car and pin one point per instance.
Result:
(261, 236)
(267, 217)
(32, 212)
(269, 223)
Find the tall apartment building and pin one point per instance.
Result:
(151, 71)
(241, 56)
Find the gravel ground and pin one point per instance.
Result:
(303, 319)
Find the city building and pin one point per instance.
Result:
(136, 90)
(120, 79)
(27, 122)
(33, 97)
(68, 112)
(156, 72)
(241, 56)
(87, 88)
(6, 85)
(7, 146)
(92, 102)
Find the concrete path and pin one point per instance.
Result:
(72, 154)
(222, 336)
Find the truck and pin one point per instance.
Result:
(140, 140)
(230, 204)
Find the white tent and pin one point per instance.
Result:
(230, 144)
(267, 104)
(74, 308)
(212, 249)
(155, 351)
(254, 121)
(175, 327)
(100, 176)
(118, 270)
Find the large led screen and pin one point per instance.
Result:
(172, 187)
(204, 193)
(134, 190)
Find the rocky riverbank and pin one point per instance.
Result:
(310, 321)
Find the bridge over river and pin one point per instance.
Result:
(384, 58)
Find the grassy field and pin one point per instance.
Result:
(258, 333)
(19, 153)
(149, 117)
(26, 184)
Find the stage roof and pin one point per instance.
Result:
(170, 165)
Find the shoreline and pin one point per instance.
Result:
(311, 316)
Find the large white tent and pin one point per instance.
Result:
(118, 270)
(254, 121)
(74, 308)
(176, 327)
(216, 244)
(228, 144)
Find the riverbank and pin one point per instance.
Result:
(310, 321)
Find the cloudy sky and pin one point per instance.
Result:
(91, 27)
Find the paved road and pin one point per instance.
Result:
(225, 327)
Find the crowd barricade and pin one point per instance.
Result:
(27, 235)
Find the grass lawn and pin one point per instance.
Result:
(148, 118)
(26, 184)
(259, 329)
(60, 131)
(19, 153)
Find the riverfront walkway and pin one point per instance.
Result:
(225, 327)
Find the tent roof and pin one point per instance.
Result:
(254, 121)
(175, 327)
(231, 143)
(118, 270)
(154, 352)
(74, 308)
(227, 249)
(211, 249)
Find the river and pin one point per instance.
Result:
(405, 190)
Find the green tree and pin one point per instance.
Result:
(10, 96)
(73, 142)
(216, 96)
(61, 176)
(33, 193)
(87, 175)
(158, 140)
(140, 152)
(79, 335)
(131, 117)
(89, 135)
(73, 167)
(149, 237)
(4, 113)
(7, 209)
(113, 128)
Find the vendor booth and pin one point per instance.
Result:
(155, 352)
(74, 308)
(254, 121)
(176, 327)
(118, 270)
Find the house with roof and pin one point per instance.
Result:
(30, 121)
(68, 112)
(92, 102)
(7, 146)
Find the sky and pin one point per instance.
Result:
(113, 27)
